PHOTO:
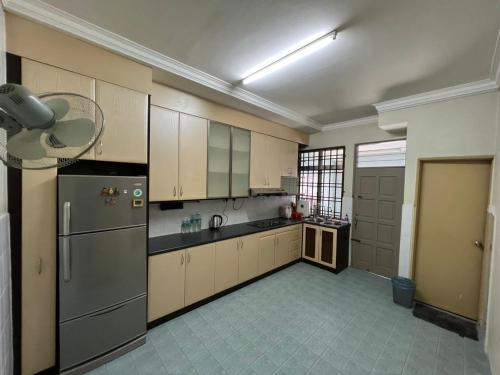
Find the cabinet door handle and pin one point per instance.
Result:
(241, 243)
(39, 265)
(180, 191)
(182, 259)
(175, 192)
(66, 254)
(188, 257)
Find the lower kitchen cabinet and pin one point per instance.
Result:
(248, 258)
(166, 283)
(200, 273)
(310, 242)
(226, 264)
(327, 253)
(267, 246)
(283, 246)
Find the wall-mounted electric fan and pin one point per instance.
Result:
(46, 131)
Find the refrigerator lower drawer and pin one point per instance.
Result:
(92, 335)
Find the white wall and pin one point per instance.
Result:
(167, 222)
(6, 361)
(459, 127)
(349, 137)
(493, 317)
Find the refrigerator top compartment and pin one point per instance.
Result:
(97, 203)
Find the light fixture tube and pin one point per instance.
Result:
(299, 53)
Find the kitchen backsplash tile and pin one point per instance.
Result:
(168, 222)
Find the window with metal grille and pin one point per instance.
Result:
(321, 180)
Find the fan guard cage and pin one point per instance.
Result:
(79, 107)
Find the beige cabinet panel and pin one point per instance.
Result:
(290, 158)
(200, 272)
(164, 155)
(166, 283)
(310, 240)
(193, 138)
(295, 249)
(38, 330)
(327, 246)
(283, 248)
(126, 124)
(42, 78)
(226, 264)
(248, 260)
(275, 152)
(259, 157)
(267, 246)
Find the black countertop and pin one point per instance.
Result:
(179, 241)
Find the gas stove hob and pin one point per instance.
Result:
(269, 223)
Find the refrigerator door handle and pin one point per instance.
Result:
(66, 218)
(66, 261)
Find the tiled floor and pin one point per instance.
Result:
(303, 320)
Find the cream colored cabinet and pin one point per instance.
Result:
(267, 245)
(248, 259)
(327, 247)
(226, 264)
(200, 272)
(193, 138)
(126, 124)
(271, 158)
(42, 78)
(283, 248)
(260, 156)
(164, 155)
(166, 283)
(296, 244)
(290, 158)
(310, 242)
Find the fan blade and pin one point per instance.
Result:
(59, 106)
(26, 145)
(74, 133)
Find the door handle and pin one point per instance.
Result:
(175, 192)
(188, 257)
(39, 265)
(479, 244)
(66, 218)
(355, 222)
(180, 191)
(66, 255)
(182, 259)
(241, 241)
(355, 240)
(107, 311)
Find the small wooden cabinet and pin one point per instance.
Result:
(248, 259)
(226, 264)
(283, 248)
(166, 283)
(164, 154)
(125, 124)
(326, 246)
(200, 272)
(310, 242)
(267, 245)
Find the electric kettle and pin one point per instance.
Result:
(215, 222)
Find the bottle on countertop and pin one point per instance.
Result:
(346, 218)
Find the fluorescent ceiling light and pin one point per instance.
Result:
(302, 51)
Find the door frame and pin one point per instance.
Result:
(484, 288)
(354, 175)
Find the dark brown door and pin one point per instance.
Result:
(378, 199)
(310, 242)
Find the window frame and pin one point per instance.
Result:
(320, 174)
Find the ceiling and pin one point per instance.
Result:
(385, 49)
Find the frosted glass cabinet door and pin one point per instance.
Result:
(219, 153)
(240, 171)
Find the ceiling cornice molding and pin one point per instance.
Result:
(495, 62)
(472, 88)
(58, 19)
(351, 123)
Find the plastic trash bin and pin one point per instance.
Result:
(403, 291)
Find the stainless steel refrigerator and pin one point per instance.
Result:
(102, 268)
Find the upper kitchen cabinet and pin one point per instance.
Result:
(126, 124)
(271, 158)
(240, 162)
(228, 161)
(42, 78)
(219, 160)
(164, 155)
(193, 140)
